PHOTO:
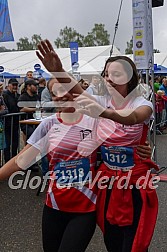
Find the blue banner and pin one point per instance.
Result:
(74, 53)
(5, 25)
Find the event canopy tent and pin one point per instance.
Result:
(19, 62)
(91, 60)
(161, 70)
(7, 75)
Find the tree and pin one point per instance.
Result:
(67, 35)
(98, 36)
(129, 49)
(36, 40)
(25, 45)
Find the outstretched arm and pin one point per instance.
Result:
(20, 162)
(128, 116)
(125, 116)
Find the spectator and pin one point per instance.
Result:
(3, 111)
(29, 75)
(41, 87)
(46, 99)
(11, 97)
(1, 88)
(157, 83)
(94, 87)
(30, 96)
(84, 84)
(163, 87)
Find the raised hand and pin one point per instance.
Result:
(49, 57)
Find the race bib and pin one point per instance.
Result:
(118, 157)
(74, 172)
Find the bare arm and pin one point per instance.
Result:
(128, 116)
(27, 110)
(20, 162)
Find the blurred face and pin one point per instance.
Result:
(33, 89)
(13, 87)
(43, 83)
(58, 93)
(84, 85)
(95, 80)
(29, 75)
(165, 82)
(116, 77)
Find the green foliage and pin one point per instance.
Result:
(36, 39)
(25, 45)
(67, 35)
(97, 37)
(129, 49)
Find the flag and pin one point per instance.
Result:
(5, 25)
(74, 53)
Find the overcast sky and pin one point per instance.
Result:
(30, 17)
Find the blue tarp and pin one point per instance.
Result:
(160, 70)
(7, 75)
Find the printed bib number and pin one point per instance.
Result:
(118, 157)
(72, 172)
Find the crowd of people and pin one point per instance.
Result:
(160, 88)
(80, 193)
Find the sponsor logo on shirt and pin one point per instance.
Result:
(86, 134)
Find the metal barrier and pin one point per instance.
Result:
(11, 129)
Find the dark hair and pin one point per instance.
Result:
(132, 84)
(30, 82)
(13, 81)
(81, 81)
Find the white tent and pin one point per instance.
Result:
(91, 59)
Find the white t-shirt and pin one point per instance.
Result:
(71, 150)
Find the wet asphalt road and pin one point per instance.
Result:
(21, 211)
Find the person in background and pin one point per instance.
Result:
(1, 88)
(29, 75)
(47, 100)
(157, 83)
(84, 84)
(94, 87)
(30, 96)
(11, 97)
(163, 87)
(3, 111)
(41, 86)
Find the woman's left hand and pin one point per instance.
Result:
(144, 151)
